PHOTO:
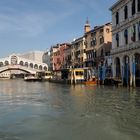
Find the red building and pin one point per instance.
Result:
(59, 56)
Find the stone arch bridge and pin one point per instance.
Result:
(17, 64)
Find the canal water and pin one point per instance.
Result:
(48, 111)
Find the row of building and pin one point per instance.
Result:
(90, 50)
(116, 46)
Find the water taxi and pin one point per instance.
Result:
(46, 75)
(32, 77)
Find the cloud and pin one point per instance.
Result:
(29, 21)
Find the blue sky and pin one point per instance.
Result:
(28, 25)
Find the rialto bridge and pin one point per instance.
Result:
(15, 64)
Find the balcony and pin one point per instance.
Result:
(125, 48)
(125, 22)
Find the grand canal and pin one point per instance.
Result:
(47, 111)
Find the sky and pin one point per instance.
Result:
(29, 25)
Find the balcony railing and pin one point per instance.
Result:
(126, 47)
(126, 21)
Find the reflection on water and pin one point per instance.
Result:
(46, 111)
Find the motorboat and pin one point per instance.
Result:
(91, 81)
(32, 77)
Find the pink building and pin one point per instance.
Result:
(59, 56)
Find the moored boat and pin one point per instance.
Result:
(91, 81)
(32, 77)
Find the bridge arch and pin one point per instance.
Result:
(45, 68)
(31, 65)
(21, 63)
(26, 64)
(9, 69)
(6, 62)
(15, 62)
(36, 66)
(1, 64)
(40, 67)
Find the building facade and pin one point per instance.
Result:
(78, 54)
(98, 45)
(34, 56)
(67, 57)
(58, 56)
(126, 41)
(53, 49)
(46, 59)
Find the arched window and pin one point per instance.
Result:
(117, 40)
(139, 30)
(125, 12)
(117, 18)
(126, 36)
(133, 33)
(138, 6)
(133, 7)
(101, 40)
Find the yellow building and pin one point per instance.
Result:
(98, 44)
(78, 55)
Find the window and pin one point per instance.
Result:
(93, 42)
(13, 60)
(101, 40)
(133, 33)
(139, 30)
(102, 53)
(125, 12)
(101, 30)
(79, 73)
(138, 6)
(126, 36)
(117, 39)
(117, 18)
(107, 30)
(133, 7)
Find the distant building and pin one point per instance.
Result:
(53, 49)
(67, 57)
(46, 59)
(34, 56)
(58, 56)
(126, 41)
